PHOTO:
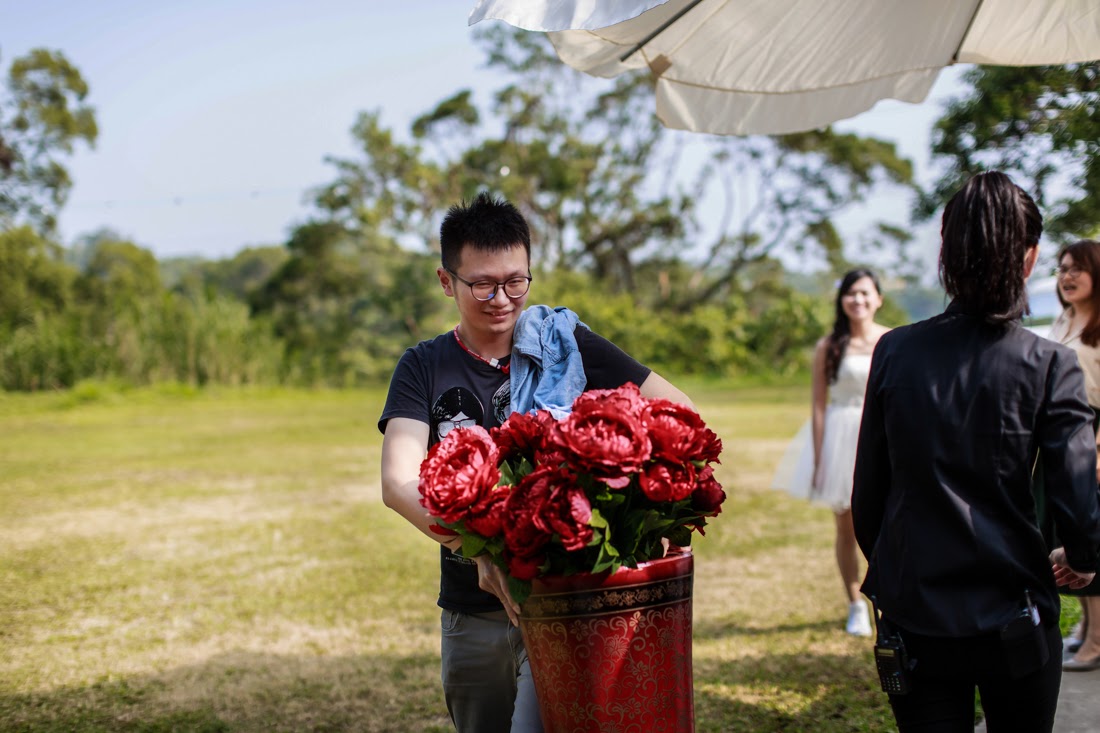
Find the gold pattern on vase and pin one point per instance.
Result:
(628, 656)
(614, 656)
(607, 600)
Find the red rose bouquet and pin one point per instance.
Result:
(597, 490)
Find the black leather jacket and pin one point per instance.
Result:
(957, 413)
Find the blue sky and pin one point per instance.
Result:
(215, 117)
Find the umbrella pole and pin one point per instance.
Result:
(660, 29)
(958, 50)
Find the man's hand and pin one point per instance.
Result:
(1064, 574)
(491, 578)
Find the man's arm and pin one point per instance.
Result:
(403, 449)
(657, 387)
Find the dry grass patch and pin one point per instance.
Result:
(223, 562)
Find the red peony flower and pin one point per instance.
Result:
(667, 481)
(708, 497)
(522, 435)
(547, 502)
(489, 522)
(679, 434)
(525, 568)
(565, 510)
(604, 435)
(606, 487)
(459, 474)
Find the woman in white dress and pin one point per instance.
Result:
(1078, 327)
(820, 461)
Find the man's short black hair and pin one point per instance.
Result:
(488, 224)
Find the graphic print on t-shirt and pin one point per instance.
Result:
(501, 400)
(458, 407)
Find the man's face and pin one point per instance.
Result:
(490, 318)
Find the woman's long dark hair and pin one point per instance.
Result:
(837, 343)
(988, 226)
(1086, 255)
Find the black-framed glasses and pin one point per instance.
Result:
(1072, 271)
(514, 287)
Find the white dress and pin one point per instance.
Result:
(838, 450)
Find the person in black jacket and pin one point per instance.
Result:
(959, 408)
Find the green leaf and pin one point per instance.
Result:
(472, 545)
(519, 589)
(608, 557)
(654, 521)
(604, 564)
(680, 536)
(523, 468)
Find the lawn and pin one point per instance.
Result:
(221, 560)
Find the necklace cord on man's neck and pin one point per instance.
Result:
(495, 363)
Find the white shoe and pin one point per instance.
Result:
(859, 619)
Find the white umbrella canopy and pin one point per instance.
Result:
(741, 67)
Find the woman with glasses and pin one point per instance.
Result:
(958, 411)
(1078, 327)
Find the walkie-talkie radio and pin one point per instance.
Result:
(891, 659)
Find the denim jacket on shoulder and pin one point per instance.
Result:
(546, 371)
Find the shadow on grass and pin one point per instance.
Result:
(245, 691)
(790, 692)
(710, 630)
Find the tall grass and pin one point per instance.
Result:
(174, 559)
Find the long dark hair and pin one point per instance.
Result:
(988, 225)
(1086, 255)
(837, 343)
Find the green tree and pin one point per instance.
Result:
(236, 277)
(1039, 124)
(245, 272)
(119, 275)
(346, 302)
(33, 278)
(40, 341)
(605, 186)
(42, 117)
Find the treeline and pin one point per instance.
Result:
(669, 244)
(331, 308)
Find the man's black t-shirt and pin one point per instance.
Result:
(438, 383)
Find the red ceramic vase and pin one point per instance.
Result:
(612, 652)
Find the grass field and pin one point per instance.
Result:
(176, 560)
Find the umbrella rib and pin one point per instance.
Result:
(659, 30)
(973, 17)
(856, 82)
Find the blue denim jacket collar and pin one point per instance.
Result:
(546, 369)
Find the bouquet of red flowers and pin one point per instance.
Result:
(597, 490)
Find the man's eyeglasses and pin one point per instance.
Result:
(1072, 271)
(514, 287)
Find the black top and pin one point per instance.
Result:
(956, 413)
(438, 383)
